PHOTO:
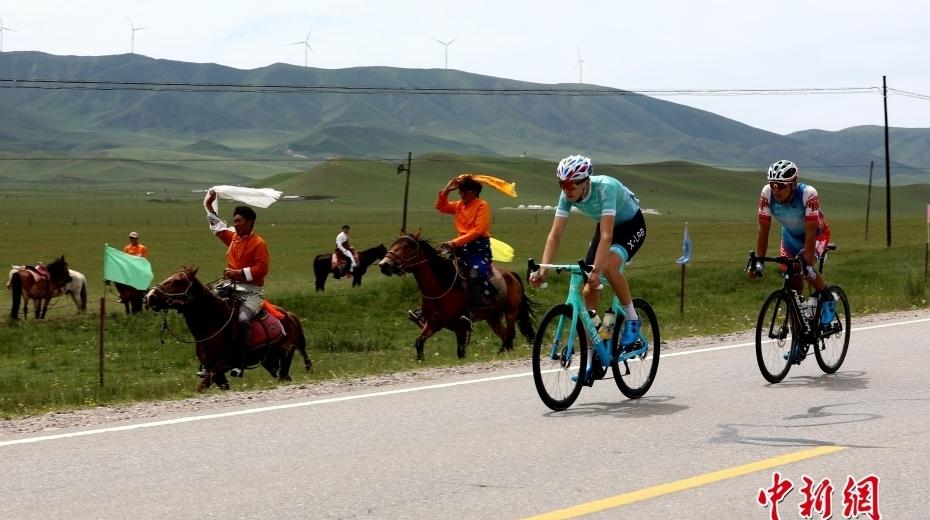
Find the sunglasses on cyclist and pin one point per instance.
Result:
(779, 185)
(566, 184)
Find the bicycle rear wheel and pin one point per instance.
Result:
(776, 335)
(553, 365)
(834, 339)
(634, 376)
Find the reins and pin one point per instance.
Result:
(187, 300)
(403, 266)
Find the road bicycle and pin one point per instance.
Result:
(560, 348)
(789, 327)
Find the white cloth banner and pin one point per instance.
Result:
(258, 197)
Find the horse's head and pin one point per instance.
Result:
(175, 291)
(58, 271)
(406, 252)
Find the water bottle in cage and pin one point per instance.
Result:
(607, 324)
(809, 307)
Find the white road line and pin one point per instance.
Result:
(263, 409)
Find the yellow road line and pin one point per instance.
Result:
(680, 485)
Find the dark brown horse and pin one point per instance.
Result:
(130, 297)
(323, 265)
(211, 320)
(38, 283)
(444, 296)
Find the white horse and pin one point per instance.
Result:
(76, 288)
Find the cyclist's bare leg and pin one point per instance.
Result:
(617, 282)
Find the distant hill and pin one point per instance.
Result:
(615, 127)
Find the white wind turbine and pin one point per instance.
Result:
(307, 47)
(446, 48)
(580, 65)
(132, 48)
(3, 28)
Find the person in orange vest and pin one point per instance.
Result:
(134, 247)
(247, 260)
(472, 246)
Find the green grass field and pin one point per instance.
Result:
(351, 332)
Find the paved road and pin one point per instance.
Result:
(488, 448)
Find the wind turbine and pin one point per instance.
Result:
(580, 65)
(3, 28)
(307, 47)
(446, 48)
(132, 48)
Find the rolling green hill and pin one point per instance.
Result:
(92, 115)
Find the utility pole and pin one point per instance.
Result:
(887, 164)
(868, 201)
(400, 169)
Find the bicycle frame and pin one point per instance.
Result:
(808, 334)
(602, 347)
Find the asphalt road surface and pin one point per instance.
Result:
(709, 435)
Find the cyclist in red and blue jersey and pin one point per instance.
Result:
(796, 206)
(618, 235)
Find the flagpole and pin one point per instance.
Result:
(681, 304)
(103, 308)
(927, 248)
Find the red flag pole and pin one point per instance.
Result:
(103, 308)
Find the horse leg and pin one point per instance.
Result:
(505, 333)
(461, 339)
(425, 334)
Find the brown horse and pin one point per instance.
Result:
(444, 296)
(38, 283)
(211, 320)
(130, 297)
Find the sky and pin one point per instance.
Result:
(630, 45)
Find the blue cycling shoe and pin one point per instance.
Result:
(588, 372)
(630, 333)
(828, 312)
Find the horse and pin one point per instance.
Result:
(445, 296)
(130, 297)
(323, 265)
(209, 317)
(38, 283)
(76, 289)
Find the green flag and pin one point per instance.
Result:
(127, 269)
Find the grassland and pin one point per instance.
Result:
(53, 364)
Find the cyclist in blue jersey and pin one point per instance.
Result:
(796, 206)
(618, 235)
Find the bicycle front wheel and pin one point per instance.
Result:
(635, 375)
(555, 361)
(776, 334)
(834, 338)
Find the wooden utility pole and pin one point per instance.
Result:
(887, 164)
(868, 201)
(400, 169)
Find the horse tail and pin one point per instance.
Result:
(16, 285)
(83, 306)
(301, 343)
(526, 318)
(321, 270)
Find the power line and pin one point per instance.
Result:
(554, 90)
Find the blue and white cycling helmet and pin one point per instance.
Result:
(783, 171)
(574, 168)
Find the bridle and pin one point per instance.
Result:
(402, 263)
(403, 266)
(180, 299)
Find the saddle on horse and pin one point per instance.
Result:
(340, 264)
(484, 293)
(266, 325)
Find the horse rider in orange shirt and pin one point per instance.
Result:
(247, 261)
(134, 247)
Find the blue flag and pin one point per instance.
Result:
(126, 269)
(685, 248)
